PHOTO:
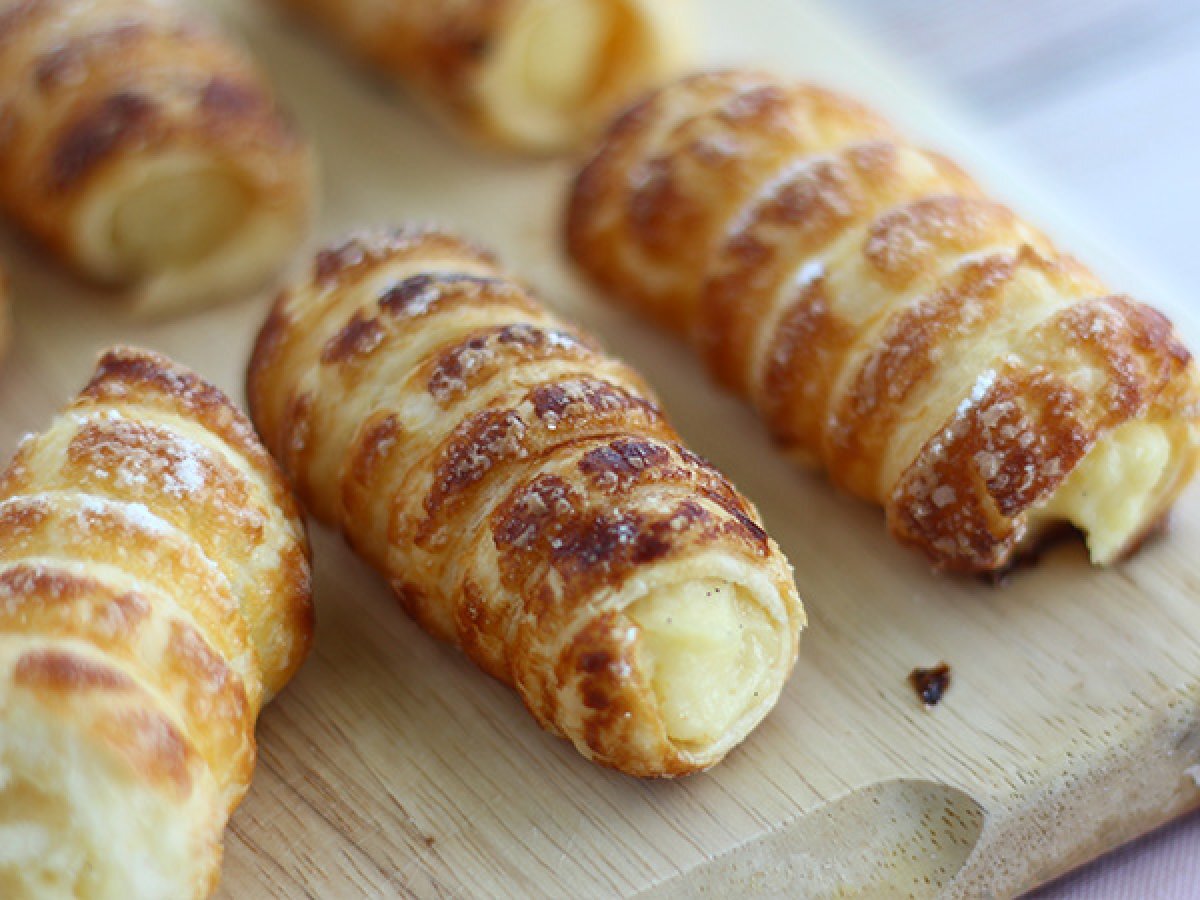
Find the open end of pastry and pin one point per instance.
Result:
(183, 231)
(69, 828)
(710, 654)
(174, 218)
(563, 65)
(1119, 489)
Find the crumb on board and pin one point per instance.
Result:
(1193, 773)
(930, 684)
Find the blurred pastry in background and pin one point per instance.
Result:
(145, 150)
(534, 75)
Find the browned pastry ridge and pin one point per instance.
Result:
(154, 594)
(527, 500)
(146, 151)
(931, 351)
(534, 75)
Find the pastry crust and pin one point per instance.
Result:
(925, 346)
(533, 75)
(154, 594)
(146, 151)
(526, 499)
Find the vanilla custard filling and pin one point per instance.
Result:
(553, 63)
(564, 47)
(173, 218)
(182, 230)
(708, 653)
(1116, 490)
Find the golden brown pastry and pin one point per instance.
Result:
(527, 500)
(154, 593)
(934, 353)
(536, 75)
(146, 150)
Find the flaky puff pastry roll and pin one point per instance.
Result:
(146, 150)
(933, 352)
(527, 500)
(154, 593)
(532, 75)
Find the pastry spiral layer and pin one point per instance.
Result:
(527, 500)
(146, 151)
(154, 593)
(537, 75)
(930, 350)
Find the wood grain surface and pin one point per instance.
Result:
(392, 767)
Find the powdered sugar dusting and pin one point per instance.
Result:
(810, 273)
(979, 390)
(132, 456)
(137, 515)
(140, 516)
(943, 496)
(188, 473)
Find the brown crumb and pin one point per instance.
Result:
(930, 684)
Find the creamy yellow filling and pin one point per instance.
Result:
(176, 218)
(1115, 490)
(563, 44)
(555, 62)
(708, 653)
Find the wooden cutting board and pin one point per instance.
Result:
(392, 767)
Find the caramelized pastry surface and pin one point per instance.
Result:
(527, 500)
(930, 350)
(154, 594)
